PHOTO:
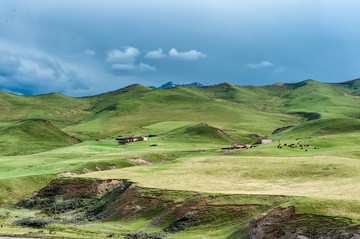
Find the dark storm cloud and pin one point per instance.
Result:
(86, 47)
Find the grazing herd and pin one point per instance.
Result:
(298, 145)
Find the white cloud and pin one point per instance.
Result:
(146, 67)
(132, 67)
(32, 71)
(124, 60)
(157, 54)
(35, 70)
(187, 56)
(90, 52)
(262, 64)
(127, 55)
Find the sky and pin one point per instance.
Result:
(81, 48)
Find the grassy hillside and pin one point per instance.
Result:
(190, 104)
(317, 175)
(31, 135)
(198, 133)
(321, 127)
(353, 85)
(59, 109)
(246, 111)
(331, 101)
(224, 106)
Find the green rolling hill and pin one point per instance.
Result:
(243, 111)
(197, 133)
(30, 136)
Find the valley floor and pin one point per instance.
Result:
(315, 182)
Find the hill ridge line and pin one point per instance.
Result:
(278, 84)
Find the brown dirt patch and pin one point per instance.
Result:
(111, 167)
(138, 161)
(75, 189)
(65, 174)
(86, 170)
(284, 222)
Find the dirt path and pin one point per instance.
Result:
(226, 134)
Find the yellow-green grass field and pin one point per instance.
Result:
(318, 177)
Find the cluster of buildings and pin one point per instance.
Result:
(248, 146)
(133, 138)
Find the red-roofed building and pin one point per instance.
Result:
(263, 141)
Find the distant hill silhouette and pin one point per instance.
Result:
(171, 85)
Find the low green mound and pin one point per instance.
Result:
(30, 136)
(198, 133)
(353, 85)
(322, 127)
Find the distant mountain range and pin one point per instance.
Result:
(171, 85)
